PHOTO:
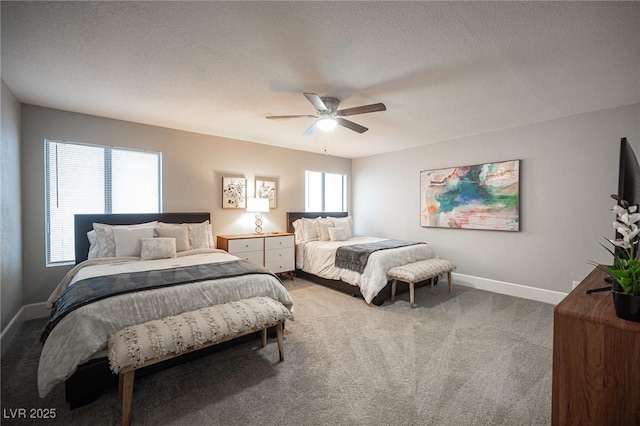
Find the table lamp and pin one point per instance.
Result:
(258, 206)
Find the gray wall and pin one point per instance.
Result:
(569, 168)
(193, 167)
(10, 213)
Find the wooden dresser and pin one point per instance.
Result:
(596, 360)
(275, 251)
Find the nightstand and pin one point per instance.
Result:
(275, 250)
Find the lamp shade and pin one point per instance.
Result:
(258, 205)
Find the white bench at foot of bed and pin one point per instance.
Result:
(145, 344)
(422, 270)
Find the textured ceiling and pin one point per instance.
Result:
(444, 70)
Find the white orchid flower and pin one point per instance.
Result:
(619, 225)
(624, 218)
(618, 209)
(634, 218)
(628, 234)
(620, 243)
(633, 209)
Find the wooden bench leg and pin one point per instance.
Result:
(126, 380)
(393, 291)
(280, 341)
(449, 280)
(264, 337)
(120, 385)
(411, 295)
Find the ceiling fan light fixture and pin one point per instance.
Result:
(326, 124)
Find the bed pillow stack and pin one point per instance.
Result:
(151, 240)
(323, 226)
(102, 243)
(193, 235)
(344, 223)
(320, 229)
(305, 229)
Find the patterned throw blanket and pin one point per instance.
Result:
(93, 289)
(355, 257)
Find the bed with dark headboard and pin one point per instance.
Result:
(335, 284)
(93, 376)
(83, 223)
(339, 285)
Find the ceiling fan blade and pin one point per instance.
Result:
(284, 117)
(316, 101)
(361, 109)
(310, 130)
(351, 125)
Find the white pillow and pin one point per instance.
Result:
(93, 247)
(297, 230)
(180, 233)
(128, 240)
(106, 245)
(323, 229)
(343, 222)
(200, 235)
(310, 229)
(338, 234)
(157, 248)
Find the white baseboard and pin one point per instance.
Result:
(510, 289)
(11, 330)
(26, 313)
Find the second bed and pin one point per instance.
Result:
(316, 256)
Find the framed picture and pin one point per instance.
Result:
(234, 193)
(482, 196)
(266, 189)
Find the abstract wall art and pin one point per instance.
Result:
(234, 194)
(482, 196)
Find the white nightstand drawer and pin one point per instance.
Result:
(278, 242)
(278, 255)
(245, 244)
(251, 256)
(285, 265)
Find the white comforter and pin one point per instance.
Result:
(318, 258)
(83, 333)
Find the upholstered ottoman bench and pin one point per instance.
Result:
(422, 270)
(145, 344)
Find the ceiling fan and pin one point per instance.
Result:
(328, 116)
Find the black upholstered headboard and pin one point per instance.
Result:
(293, 216)
(83, 223)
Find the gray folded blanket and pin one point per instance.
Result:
(355, 257)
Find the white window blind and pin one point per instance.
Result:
(81, 178)
(325, 192)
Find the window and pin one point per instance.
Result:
(325, 192)
(81, 178)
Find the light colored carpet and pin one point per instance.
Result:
(467, 358)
